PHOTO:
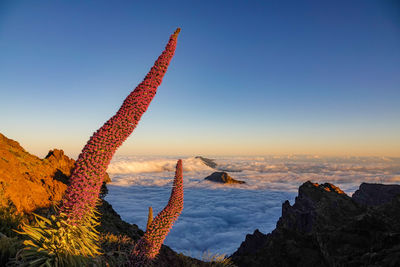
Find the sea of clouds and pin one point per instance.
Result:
(216, 217)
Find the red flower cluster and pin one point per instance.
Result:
(87, 177)
(149, 245)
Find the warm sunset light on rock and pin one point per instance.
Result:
(274, 139)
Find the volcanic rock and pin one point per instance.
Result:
(376, 194)
(252, 243)
(222, 177)
(28, 182)
(325, 227)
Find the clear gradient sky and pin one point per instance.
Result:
(248, 77)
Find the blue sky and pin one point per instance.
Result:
(248, 77)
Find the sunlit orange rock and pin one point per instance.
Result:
(28, 182)
(329, 187)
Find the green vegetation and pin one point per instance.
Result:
(55, 242)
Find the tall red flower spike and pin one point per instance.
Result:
(149, 245)
(87, 177)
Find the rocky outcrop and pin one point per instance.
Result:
(325, 227)
(252, 243)
(375, 194)
(28, 182)
(222, 177)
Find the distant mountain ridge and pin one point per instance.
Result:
(209, 162)
(212, 164)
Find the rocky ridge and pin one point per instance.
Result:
(28, 182)
(325, 227)
(375, 194)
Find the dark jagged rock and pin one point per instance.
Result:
(375, 194)
(252, 243)
(325, 227)
(209, 162)
(222, 177)
(317, 205)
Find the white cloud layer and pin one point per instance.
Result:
(217, 217)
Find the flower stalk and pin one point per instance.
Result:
(70, 237)
(90, 168)
(149, 245)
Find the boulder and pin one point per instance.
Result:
(222, 177)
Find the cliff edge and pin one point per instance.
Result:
(325, 227)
